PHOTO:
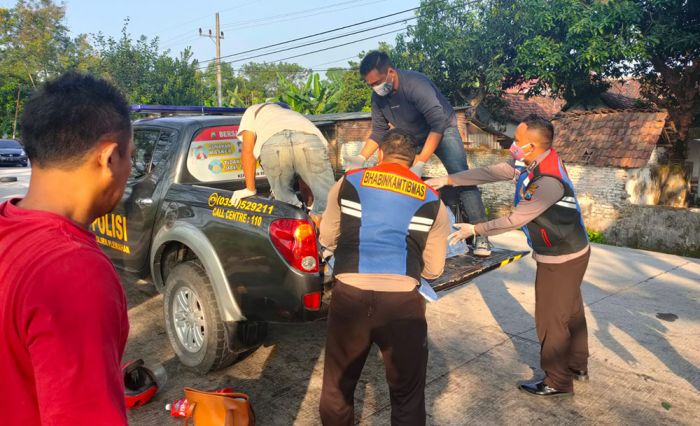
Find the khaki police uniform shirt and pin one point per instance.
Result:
(549, 190)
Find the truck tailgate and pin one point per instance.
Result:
(461, 269)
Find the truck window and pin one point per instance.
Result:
(151, 150)
(160, 153)
(215, 155)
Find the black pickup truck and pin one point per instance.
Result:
(225, 270)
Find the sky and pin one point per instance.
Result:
(246, 24)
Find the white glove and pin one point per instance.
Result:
(353, 162)
(465, 230)
(439, 182)
(326, 254)
(418, 168)
(241, 194)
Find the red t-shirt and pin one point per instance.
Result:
(63, 324)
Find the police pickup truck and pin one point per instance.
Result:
(225, 270)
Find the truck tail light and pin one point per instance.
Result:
(295, 239)
(312, 301)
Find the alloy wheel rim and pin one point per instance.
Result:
(188, 316)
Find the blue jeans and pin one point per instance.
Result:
(453, 156)
(290, 152)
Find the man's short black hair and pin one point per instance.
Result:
(400, 145)
(375, 60)
(542, 125)
(65, 119)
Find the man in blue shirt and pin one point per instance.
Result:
(410, 101)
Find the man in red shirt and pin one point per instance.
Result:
(63, 314)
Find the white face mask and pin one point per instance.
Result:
(384, 88)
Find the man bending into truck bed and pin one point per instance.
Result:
(287, 143)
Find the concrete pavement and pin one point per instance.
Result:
(644, 324)
(644, 331)
(14, 189)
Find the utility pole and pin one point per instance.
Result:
(218, 37)
(14, 125)
(218, 59)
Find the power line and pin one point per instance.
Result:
(337, 60)
(179, 25)
(294, 15)
(339, 45)
(335, 38)
(305, 70)
(312, 42)
(183, 38)
(315, 51)
(327, 32)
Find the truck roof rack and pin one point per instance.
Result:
(185, 110)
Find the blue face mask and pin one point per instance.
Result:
(384, 88)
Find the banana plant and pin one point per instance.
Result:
(314, 97)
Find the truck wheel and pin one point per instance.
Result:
(192, 319)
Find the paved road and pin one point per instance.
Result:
(644, 327)
(14, 189)
(644, 369)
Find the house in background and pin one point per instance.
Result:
(618, 157)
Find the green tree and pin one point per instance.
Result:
(34, 46)
(262, 79)
(467, 49)
(314, 97)
(350, 92)
(178, 80)
(145, 74)
(128, 63)
(669, 59)
(572, 48)
(35, 43)
(230, 84)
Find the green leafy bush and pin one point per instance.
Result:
(596, 237)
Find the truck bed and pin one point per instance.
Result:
(463, 268)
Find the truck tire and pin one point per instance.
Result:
(193, 322)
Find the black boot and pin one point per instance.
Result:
(539, 388)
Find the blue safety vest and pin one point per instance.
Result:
(386, 214)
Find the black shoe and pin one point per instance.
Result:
(580, 375)
(541, 389)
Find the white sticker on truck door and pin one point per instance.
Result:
(215, 155)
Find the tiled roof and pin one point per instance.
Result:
(520, 107)
(618, 101)
(608, 137)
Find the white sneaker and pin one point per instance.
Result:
(482, 247)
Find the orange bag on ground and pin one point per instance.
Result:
(218, 409)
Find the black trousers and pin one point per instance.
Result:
(560, 320)
(395, 322)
